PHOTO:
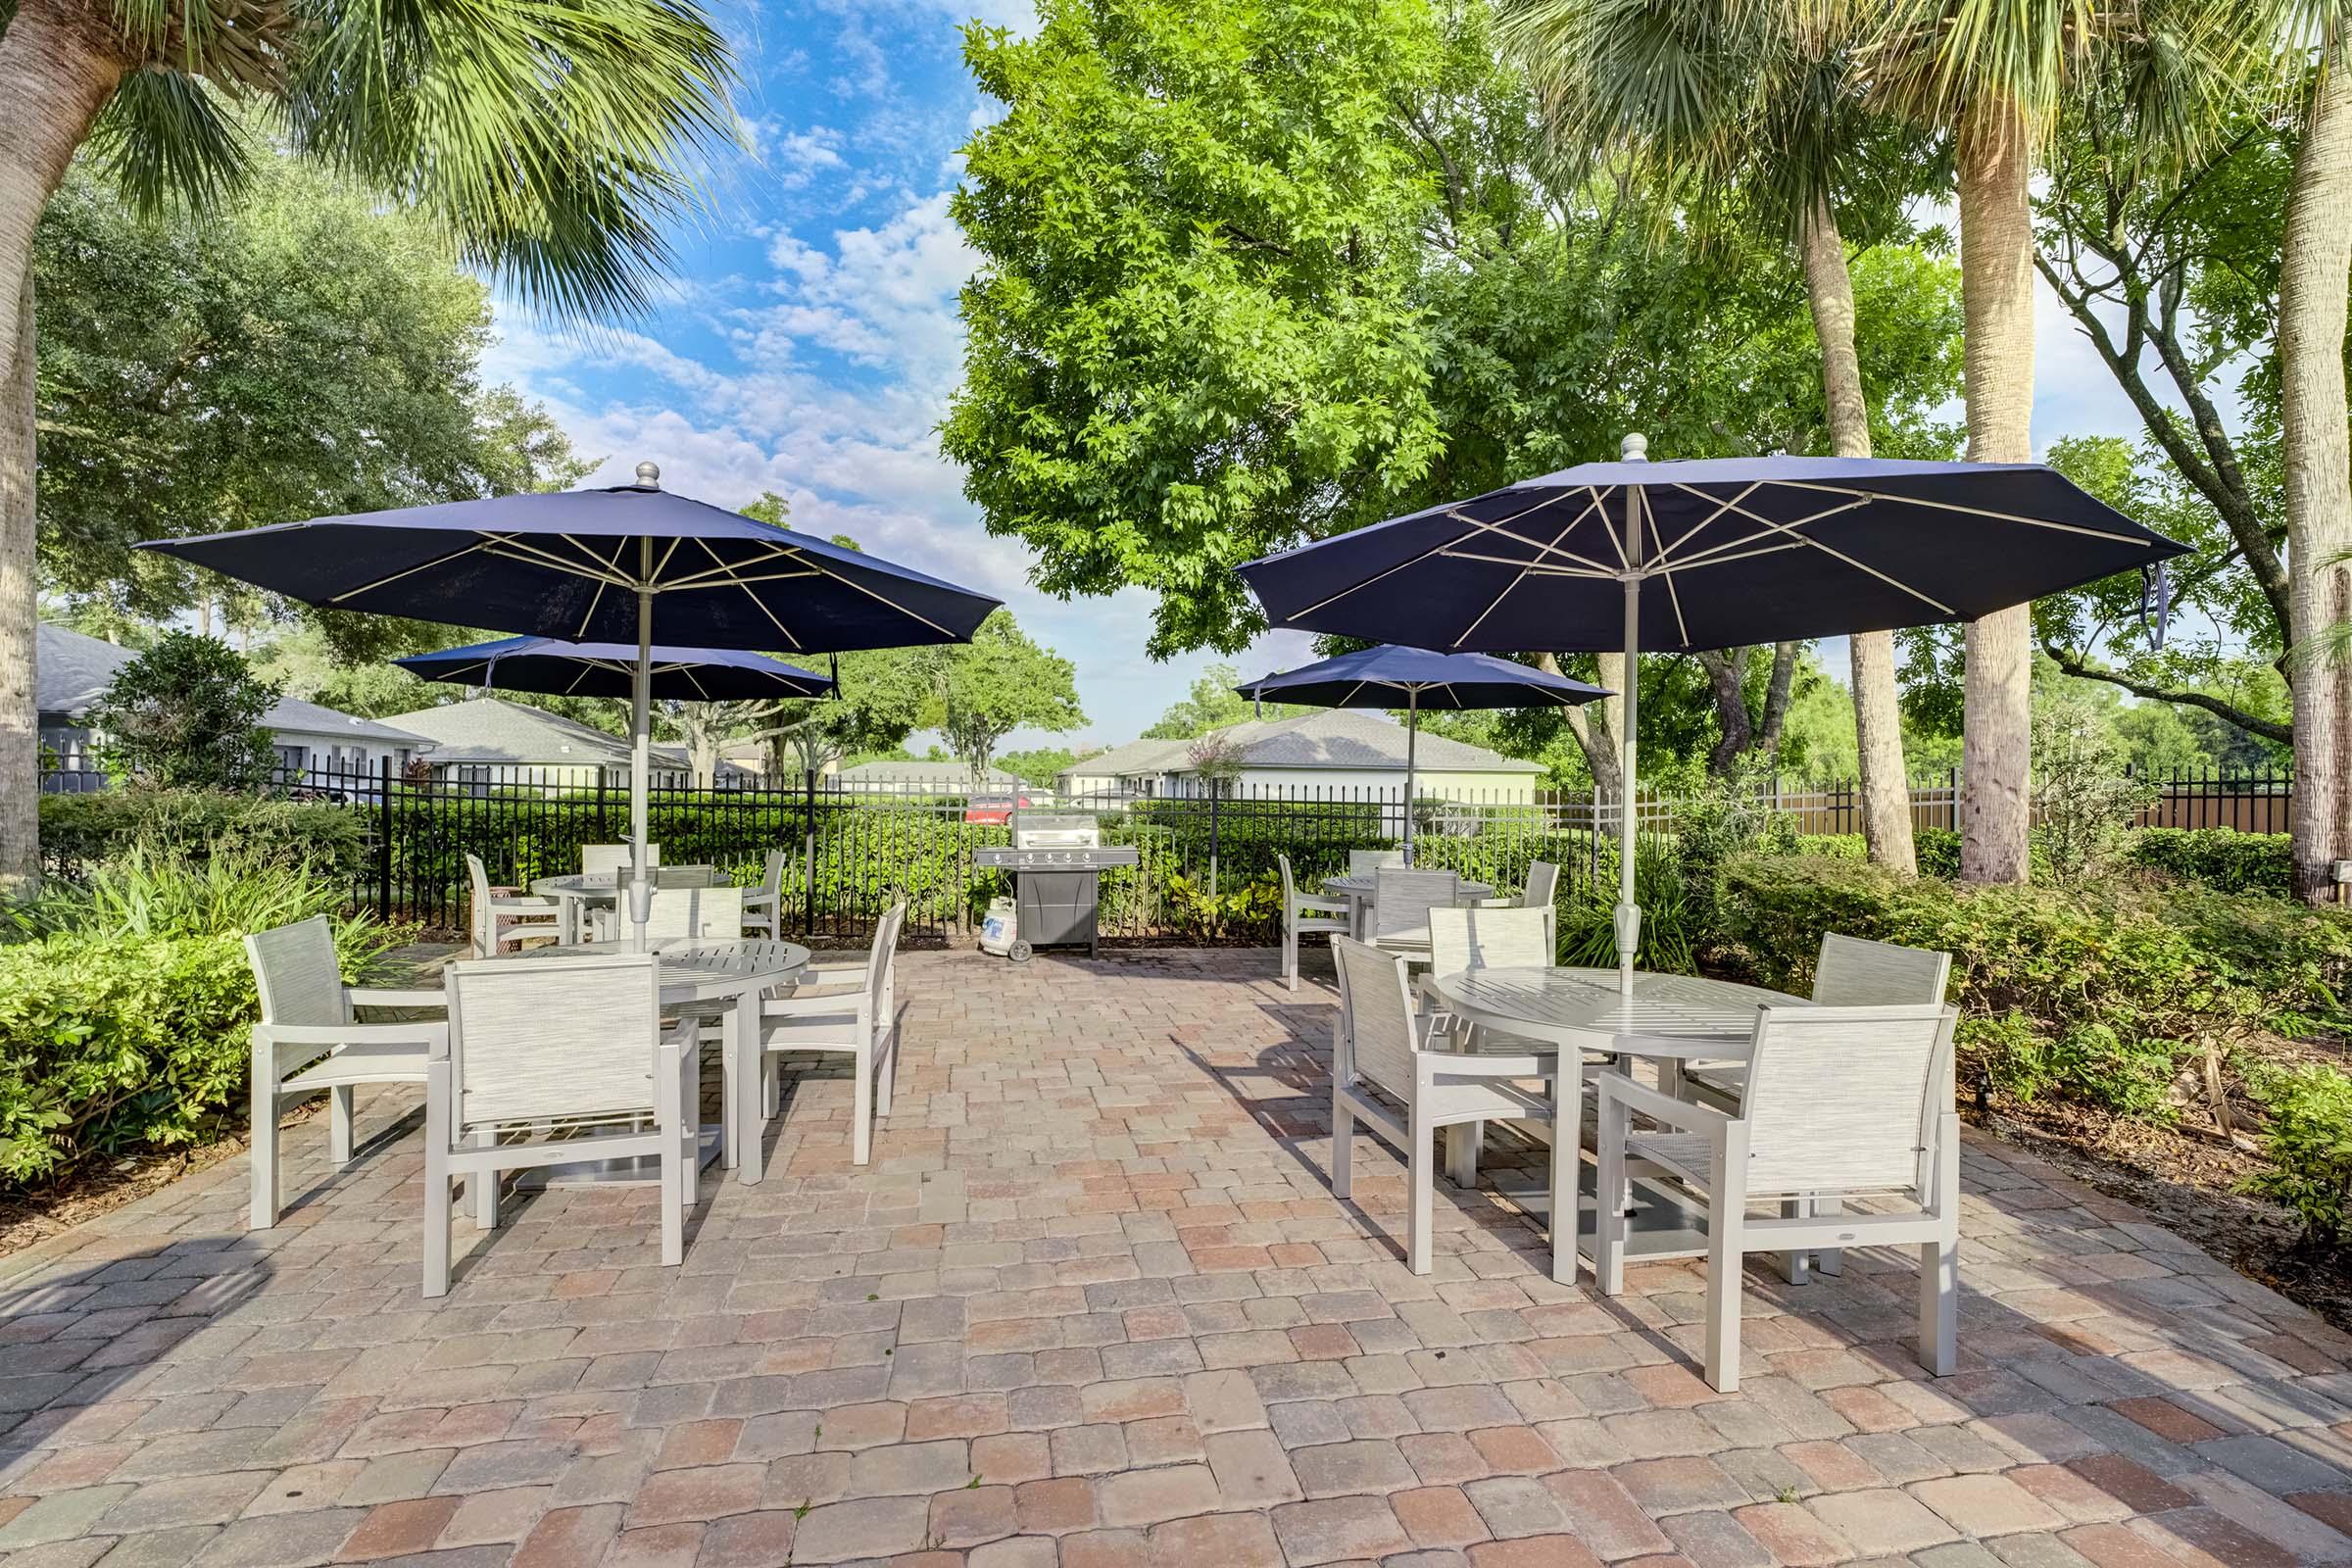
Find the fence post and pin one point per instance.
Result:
(383, 843)
(1213, 837)
(808, 850)
(601, 835)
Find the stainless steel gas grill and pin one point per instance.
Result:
(1056, 860)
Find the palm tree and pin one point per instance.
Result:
(550, 138)
(1993, 74)
(1751, 109)
(2315, 269)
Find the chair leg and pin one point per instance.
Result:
(265, 1143)
(861, 1103)
(338, 1125)
(1342, 1144)
(1462, 1141)
(886, 1058)
(1793, 1264)
(1727, 1223)
(1290, 956)
(1610, 1200)
(484, 1183)
(1567, 1107)
(1938, 1306)
(437, 1194)
(1830, 1260)
(1421, 1191)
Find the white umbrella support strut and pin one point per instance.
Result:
(641, 721)
(1412, 726)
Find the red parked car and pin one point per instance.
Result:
(996, 809)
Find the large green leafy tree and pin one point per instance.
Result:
(1213, 703)
(548, 140)
(187, 713)
(1192, 337)
(1001, 681)
(306, 351)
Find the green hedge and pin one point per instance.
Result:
(2093, 992)
(2218, 857)
(79, 831)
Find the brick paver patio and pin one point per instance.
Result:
(1093, 1304)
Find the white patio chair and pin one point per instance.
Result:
(1543, 883)
(763, 906)
(1461, 940)
(1401, 903)
(1849, 1102)
(308, 1024)
(1381, 1044)
(693, 914)
(557, 1044)
(495, 918)
(613, 860)
(1302, 917)
(1364, 863)
(1850, 972)
(839, 1009)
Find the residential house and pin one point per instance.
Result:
(1338, 751)
(486, 740)
(922, 778)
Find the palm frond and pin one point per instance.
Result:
(168, 141)
(554, 138)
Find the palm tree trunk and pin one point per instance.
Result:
(1878, 714)
(2315, 266)
(1997, 296)
(57, 71)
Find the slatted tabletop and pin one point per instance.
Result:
(1674, 1015)
(700, 971)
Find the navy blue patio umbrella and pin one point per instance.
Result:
(560, 668)
(1720, 552)
(1414, 678)
(590, 565)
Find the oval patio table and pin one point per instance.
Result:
(1565, 1012)
(574, 893)
(1358, 891)
(727, 978)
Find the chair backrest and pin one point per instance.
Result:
(1289, 888)
(552, 1040)
(881, 960)
(611, 859)
(693, 913)
(688, 876)
(772, 882)
(1839, 1098)
(1376, 1014)
(477, 877)
(1401, 900)
(295, 970)
(1489, 939)
(1854, 973)
(1542, 886)
(1364, 863)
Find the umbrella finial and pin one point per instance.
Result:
(649, 475)
(1635, 448)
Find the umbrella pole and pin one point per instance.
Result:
(641, 723)
(1629, 827)
(1412, 729)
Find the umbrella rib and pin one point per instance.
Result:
(1443, 547)
(1542, 568)
(1673, 595)
(409, 571)
(1624, 563)
(1789, 531)
(2107, 534)
(1666, 551)
(588, 616)
(1592, 505)
(1770, 527)
(729, 573)
(513, 546)
(722, 576)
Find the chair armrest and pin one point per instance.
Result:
(759, 898)
(817, 976)
(820, 1004)
(1320, 906)
(421, 1031)
(394, 997)
(1660, 1107)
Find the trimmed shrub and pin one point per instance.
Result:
(78, 831)
(124, 1015)
(2093, 992)
(2309, 1143)
(2218, 857)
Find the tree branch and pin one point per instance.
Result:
(2252, 724)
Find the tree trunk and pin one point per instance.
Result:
(2315, 267)
(1877, 712)
(1997, 295)
(1727, 679)
(58, 68)
(1595, 724)
(1778, 690)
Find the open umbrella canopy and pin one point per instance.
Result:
(609, 669)
(1720, 552)
(1414, 678)
(573, 563)
(1389, 676)
(1723, 553)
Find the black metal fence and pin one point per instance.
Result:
(1206, 862)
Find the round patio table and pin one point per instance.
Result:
(1565, 1012)
(1358, 891)
(574, 893)
(726, 978)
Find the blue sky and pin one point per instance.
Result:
(811, 339)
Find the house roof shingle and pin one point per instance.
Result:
(74, 672)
